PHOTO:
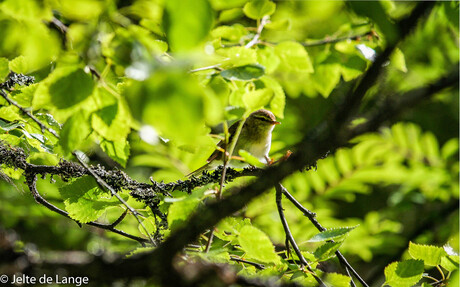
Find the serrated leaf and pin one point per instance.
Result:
(404, 274)
(244, 73)
(431, 255)
(326, 251)
(71, 89)
(19, 64)
(229, 228)
(84, 200)
(257, 245)
(116, 150)
(249, 158)
(293, 57)
(74, 132)
(331, 234)
(257, 9)
(112, 122)
(450, 262)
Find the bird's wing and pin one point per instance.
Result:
(231, 131)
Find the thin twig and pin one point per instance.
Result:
(226, 158)
(260, 28)
(303, 261)
(216, 66)
(336, 40)
(42, 126)
(31, 182)
(312, 217)
(257, 265)
(104, 185)
(119, 219)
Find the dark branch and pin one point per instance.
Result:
(341, 39)
(290, 238)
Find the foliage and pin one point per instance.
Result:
(141, 87)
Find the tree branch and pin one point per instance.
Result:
(290, 238)
(106, 186)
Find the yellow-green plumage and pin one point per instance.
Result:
(255, 137)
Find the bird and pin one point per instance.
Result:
(255, 137)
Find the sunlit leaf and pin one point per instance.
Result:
(257, 245)
(185, 30)
(404, 273)
(117, 150)
(85, 201)
(244, 73)
(256, 9)
(331, 234)
(431, 255)
(294, 57)
(71, 89)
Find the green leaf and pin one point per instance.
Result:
(376, 12)
(327, 250)
(353, 68)
(185, 30)
(257, 245)
(74, 132)
(278, 101)
(71, 89)
(267, 57)
(112, 122)
(117, 150)
(326, 78)
(256, 99)
(398, 60)
(230, 14)
(331, 234)
(337, 280)
(232, 33)
(257, 9)
(404, 274)
(244, 73)
(4, 69)
(19, 65)
(431, 255)
(180, 210)
(293, 57)
(450, 262)
(85, 201)
(249, 158)
(237, 56)
(450, 148)
(8, 126)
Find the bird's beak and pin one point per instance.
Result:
(276, 123)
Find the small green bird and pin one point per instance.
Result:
(255, 137)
